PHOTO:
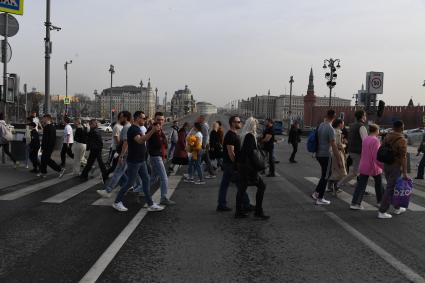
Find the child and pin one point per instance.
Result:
(34, 147)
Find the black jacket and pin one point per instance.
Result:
(94, 140)
(294, 135)
(35, 140)
(49, 138)
(81, 135)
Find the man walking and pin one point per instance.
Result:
(268, 145)
(47, 146)
(157, 146)
(95, 146)
(136, 162)
(357, 134)
(68, 140)
(79, 147)
(293, 139)
(231, 149)
(174, 136)
(326, 143)
(393, 171)
(116, 132)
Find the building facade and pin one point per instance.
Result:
(205, 108)
(129, 97)
(182, 102)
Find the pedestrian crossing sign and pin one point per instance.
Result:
(66, 101)
(12, 6)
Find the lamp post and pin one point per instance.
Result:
(66, 84)
(47, 52)
(356, 99)
(291, 81)
(331, 75)
(156, 99)
(112, 71)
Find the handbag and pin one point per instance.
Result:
(258, 159)
(402, 192)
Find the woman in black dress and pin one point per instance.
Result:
(249, 175)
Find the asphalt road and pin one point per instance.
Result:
(53, 232)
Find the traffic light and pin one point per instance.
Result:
(381, 107)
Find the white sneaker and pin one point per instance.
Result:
(155, 207)
(41, 175)
(119, 206)
(356, 207)
(188, 180)
(315, 195)
(104, 193)
(400, 210)
(322, 201)
(210, 176)
(384, 215)
(200, 182)
(61, 173)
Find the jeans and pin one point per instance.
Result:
(392, 173)
(46, 160)
(206, 158)
(294, 151)
(325, 166)
(361, 188)
(66, 149)
(190, 166)
(158, 171)
(229, 172)
(271, 161)
(421, 167)
(354, 170)
(6, 151)
(135, 170)
(197, 168)
(79, 150)
(171, 150)
(119, 177)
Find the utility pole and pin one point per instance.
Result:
(156, 99)
(112, 71)
(26, 100)
(4, 51)
(66, 84)
(47, 51)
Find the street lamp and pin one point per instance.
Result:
(156, 99)
(356, 98)
(47, 52)
(112, 71)
(291, 81)
(331, 76)
(66, 84)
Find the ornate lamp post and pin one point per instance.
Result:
(291, 81)
(112, 71)
(66, 84)
(331, 75)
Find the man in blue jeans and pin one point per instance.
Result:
(136, 162)
(157, 146)
(232, 147)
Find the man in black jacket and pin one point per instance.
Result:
(294, 139)
(95, 146)
(47, 146)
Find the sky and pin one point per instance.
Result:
(226, 49)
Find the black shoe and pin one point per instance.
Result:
(261, 216)
(292, 161)
(276, 161)
(34, 171)
(223, 209)
(271, 175)
(241, 215)
(419, 178)
(250, 208)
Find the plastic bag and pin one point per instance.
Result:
(402, 192)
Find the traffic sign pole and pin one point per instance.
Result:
(4, 51)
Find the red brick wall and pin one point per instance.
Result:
(411, 116)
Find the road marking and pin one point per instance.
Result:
(398, 265)
(72, 192)
(34, 188)
(343, 195)
(108, 255)
(412, 206)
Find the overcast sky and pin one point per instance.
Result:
(226, 49)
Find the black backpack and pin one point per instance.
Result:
(386, 154)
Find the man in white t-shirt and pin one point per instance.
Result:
(68, 140)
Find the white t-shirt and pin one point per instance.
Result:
(199, 135)
(68, 131)
(143, 129)
(116, 131)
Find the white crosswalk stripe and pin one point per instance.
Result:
(72, 192)
(412, 206)
(343, 195)
(34, 188)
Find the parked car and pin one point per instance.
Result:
(105, 128)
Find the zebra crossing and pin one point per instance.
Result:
(74, 190)
(367, 206)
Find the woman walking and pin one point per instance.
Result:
(369, 166)
(249, 174)
(338, 172)
(180, 153)
(216, 147)
(194, 148)
(293, 139)
(79, 148)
